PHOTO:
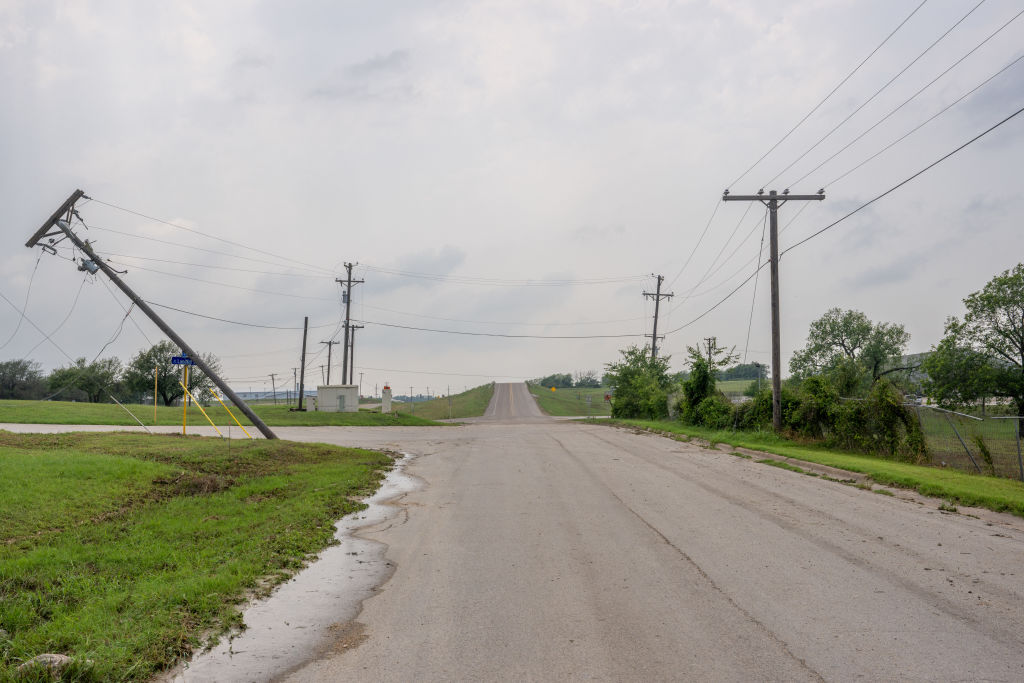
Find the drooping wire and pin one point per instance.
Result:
(67, 317)
(753, 299)
(24, 306)
(232, 322)
(828, 96)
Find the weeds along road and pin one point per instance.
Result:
(543, 550)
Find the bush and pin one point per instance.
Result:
(714, 412)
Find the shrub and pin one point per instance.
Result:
(714, 412)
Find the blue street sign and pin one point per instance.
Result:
(181, 360)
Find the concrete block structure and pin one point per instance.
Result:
(337, 398)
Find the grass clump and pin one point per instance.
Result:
(124, 549)
(995, 493)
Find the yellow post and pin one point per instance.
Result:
(200, 406)
(229, 412)
(184, 403)
(156, 371)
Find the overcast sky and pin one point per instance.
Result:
(489, 145)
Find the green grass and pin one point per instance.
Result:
(994, 493)
(67, 412)
(735, 386)
(571, 402)
(125, 549)
(471, 403)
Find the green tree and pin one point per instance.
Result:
(641, 384)
(557, 380)
(847, 343)
(586, 379)
(958, 375)
(992, 328)
(21, 379)
(93, 379)
(138, 376)
(702, 404)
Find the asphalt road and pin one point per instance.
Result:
(542, 550)
(538, 550)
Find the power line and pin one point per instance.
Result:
(903, 182)
(230, 286)
(829, 95)
(753, 299)
(24, 307)
(499, 282)
(216, 267)
(207, 235)
(851, 213)
(496, 334)
(921, 90)
(877, 92)
(232, 322)
(66, 317)
(925, 122)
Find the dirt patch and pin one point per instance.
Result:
(347, 636)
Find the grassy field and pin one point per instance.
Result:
(994, 493)
(471, 403)
(568, 402)
(125, 548)
(66, 412)
(736, 386)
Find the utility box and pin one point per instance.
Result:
(385, 400)
(337, 398)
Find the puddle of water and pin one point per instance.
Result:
(305, 615)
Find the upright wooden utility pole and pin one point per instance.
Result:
(347, 294)
(330, 345)
(352, 354)
(58, 227)
(773, 201)
(657, 296)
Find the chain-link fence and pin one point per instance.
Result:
(985, 445)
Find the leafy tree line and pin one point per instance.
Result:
(848, 382)
(579, 380)
(96, 381)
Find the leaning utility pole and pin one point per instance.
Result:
(330, 345)
(347, 296)
(273, 386)
(60, 224)
(657, 296)
(352, 354)
(773, 201)
(302, 365)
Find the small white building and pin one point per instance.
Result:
(385, 400)
(337, 398)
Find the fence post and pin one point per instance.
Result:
(1020, 463)
(966, 449)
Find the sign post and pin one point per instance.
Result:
(183, 361)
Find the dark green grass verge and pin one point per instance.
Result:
(471, 403)
(572, 402)
(994, 493)
(125, 549)
(67, 412)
